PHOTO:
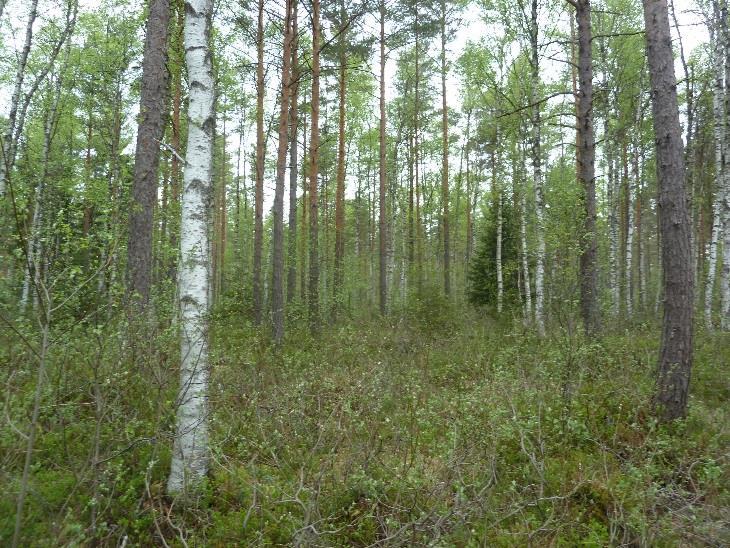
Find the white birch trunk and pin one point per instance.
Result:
(537, 171)
(390, 262)
(641, 260)
(723, 32)
(525, 263)
(717, 104)
(628, 264)
(33, 266)
(190, 453)
(403, 270)
(20, 101)
(540, 261)
(500, 281)
(8, 158)
(31, 255)
(712, 259)
(612, 228)
(725, 280)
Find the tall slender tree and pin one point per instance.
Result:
(177, 62)
(258, 231)
(291, 279)
(725, 276)
(445, 156)
(277, 243)
(382, 175)
(152, 119)
(8, 152)
(586, 154)
(675, 354)
(720, 134)
(314, 173)
(537, 174)
(342, 32)
(22, 95)
(190, 455)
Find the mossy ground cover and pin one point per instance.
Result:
(430, 429)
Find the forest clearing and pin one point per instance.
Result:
(365, 273)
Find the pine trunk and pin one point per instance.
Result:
(291, 279)
(277, 242)
(152, 119)
(340, 189)
(675, 355)
(445, 156)
(176, 175)
(586, 155)
(382, 228)
(258, 231)
(313, 175)
(303, 273)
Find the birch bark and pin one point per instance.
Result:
(719, 133)
(537, 177)
(190, 452)
(628, 258)
(8, 159)
(525, 253)
(725, 281)
(33, 251)
(500, 281)
(612, 224)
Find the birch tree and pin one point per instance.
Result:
(190, 452)
(8, 148)
(724, 32)
(33, 251)
(23, 94)
(717, 37)
(537, 175)
(612, 198)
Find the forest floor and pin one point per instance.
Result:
(439, 429)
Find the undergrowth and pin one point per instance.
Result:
(427, 429)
